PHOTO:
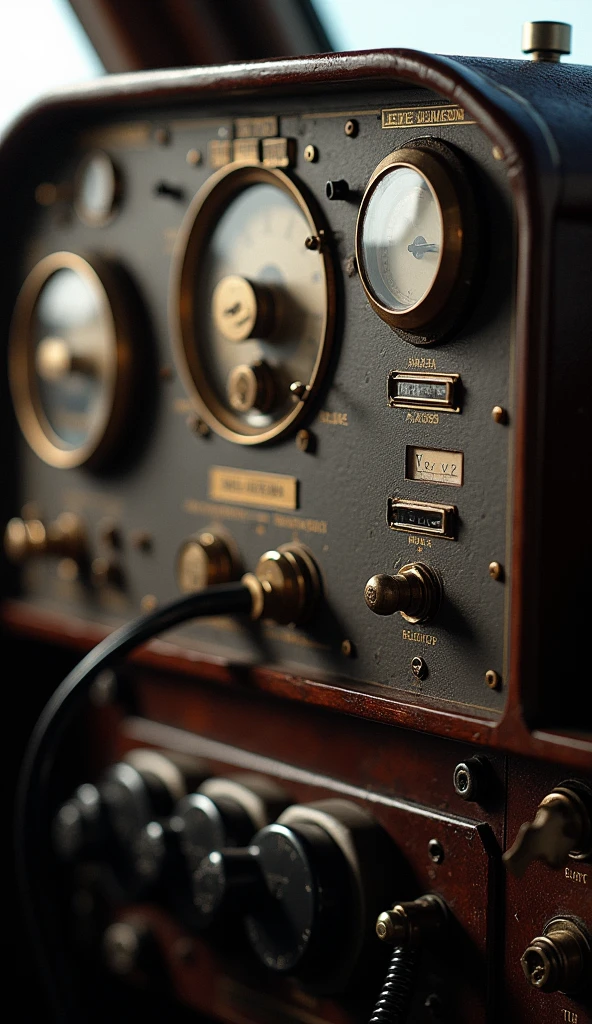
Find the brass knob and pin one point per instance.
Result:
(560, 959)
(415, 591)
(242, 310)
(205, 560)
(251, 387)
(285, 586)
(64, 537)
(410, 924)
(562, 827)
(546, 40)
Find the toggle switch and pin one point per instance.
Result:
(561, 828)
(415, 591)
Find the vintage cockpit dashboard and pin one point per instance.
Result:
(322, 325)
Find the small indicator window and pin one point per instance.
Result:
(434, 466)
(422, 517)
(424, 391)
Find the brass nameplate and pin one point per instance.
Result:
(278, 152)
(246, 149)
(244, 487)
(219, 153)
(424, 117)
(434, 466)
(255, 127)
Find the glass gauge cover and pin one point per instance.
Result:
(252, 303)
(409, 238)
(69, 362)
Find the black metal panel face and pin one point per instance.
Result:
(356, 458)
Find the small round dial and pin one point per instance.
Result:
(411, 243)
(70, 360)
(252, 303)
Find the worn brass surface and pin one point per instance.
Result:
(415, 591)
(285, 586)
(64, 537)
(205, 560)
(560, 959)
(410, 924)
(561, 828)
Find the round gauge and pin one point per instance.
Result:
(410, 238)
(96, 189)
(70, 361)
(252, 303)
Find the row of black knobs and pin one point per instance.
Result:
(288, 887)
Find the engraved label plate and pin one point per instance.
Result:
(244, 487)
(278, 152)
(246, 149)
(219, 153)
(433, 466)
(255, 127)
(424, 117)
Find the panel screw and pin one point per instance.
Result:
(469, 778)
(304, 441)
(162, 136)
(313, 242)
(311, 154)
(492, 679)
(499, 415)
(351, 128)
(497, 153)
(299, 391)
(348, 648)
(436, 851)
(193, 157)
(198, 426)
(148, 603)
(419, 668)
(496, 571)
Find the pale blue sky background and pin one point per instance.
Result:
(42, 45)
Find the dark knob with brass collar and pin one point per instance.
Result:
(206, 559)
(415, 591)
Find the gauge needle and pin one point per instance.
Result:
(419, 247)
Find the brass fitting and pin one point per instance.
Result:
(408, 925)
(560, 959)
(561, 828)
(285, 586)
(415, 592)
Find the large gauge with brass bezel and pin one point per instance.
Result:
(252, 302)
(416, 240)
(70, 359)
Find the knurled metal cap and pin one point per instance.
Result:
(546, 40)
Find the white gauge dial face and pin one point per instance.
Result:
(402, 239)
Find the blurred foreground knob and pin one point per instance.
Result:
(205, 560)
(546, 40)
(415, 591)
(65, 537)
(251, 387)
(242, 310)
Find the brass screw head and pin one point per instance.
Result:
(351, 128)
(198, 426)
(347, 648)
(148, 603)
(312, 242)
(311, 154)
(492, 679)
(499, 414)
(193, 157)
(304, 440)
(495, 571)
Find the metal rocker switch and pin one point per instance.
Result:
(561, 828)
(415, 592)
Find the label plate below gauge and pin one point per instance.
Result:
(244, 487)
(433, 466)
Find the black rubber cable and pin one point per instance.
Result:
(31, 829)
(394, 1001)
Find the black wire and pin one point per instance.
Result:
(31, 831)
(395, 998)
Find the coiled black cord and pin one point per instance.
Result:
(32, 803)
(395, 998)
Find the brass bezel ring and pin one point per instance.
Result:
(440, 180)
(207, 205)
(21, 365)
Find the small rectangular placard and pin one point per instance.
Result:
(424, 116)
(244, 487)
(433, 466)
